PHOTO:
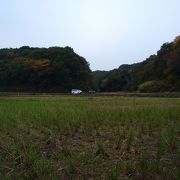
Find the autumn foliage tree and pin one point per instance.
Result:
(52, 69)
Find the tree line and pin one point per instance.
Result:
(57, 69)
(51, 69)
(158, 73)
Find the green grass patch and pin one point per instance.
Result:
(66, 137)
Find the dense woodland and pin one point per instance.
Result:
(158, 73)
(40, 69)
(58, 69)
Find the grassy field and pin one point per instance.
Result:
(66, 137)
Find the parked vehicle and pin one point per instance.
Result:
(91, 92)
(76, 91)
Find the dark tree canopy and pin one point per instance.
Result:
(160, 72)
(51, 69)
(58, 69)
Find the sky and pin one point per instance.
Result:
(107, 33)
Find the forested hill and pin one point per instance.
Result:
(52, 69)
(160, 72)
(58, 69)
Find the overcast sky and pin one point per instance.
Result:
(107, 33)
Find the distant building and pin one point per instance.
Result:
(76, 91)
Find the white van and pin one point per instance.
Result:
(76, 91)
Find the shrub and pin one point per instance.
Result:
(152, 86)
